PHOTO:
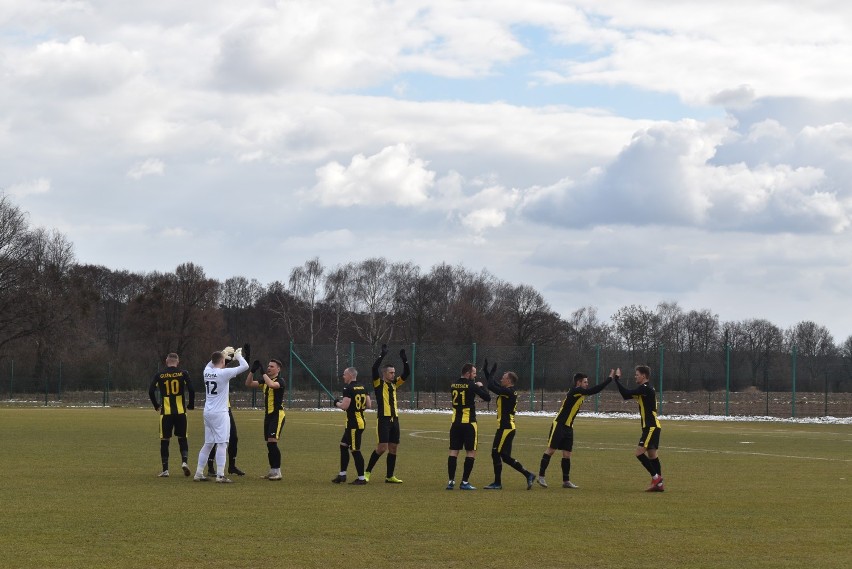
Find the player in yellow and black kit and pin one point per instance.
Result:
(385, 385)
(507, 402)
(463, 431)
(174, 386)
(562, 429)
(273, 404)
(649, 440)
(354, 401)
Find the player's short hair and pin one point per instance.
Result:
(217, 358)
(353, 371)
(513, 377)
(644, 370)
(387, 366)
(578, 377)
(172, 356)
(467, 367)
(277, 362)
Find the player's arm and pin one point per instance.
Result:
(368, 404)
(406, 369)
(190, 390)
(343, 403)
(480, 390)
(153, 397)
(270, 383)
(378, 362)
(595, 389)
(250, 380)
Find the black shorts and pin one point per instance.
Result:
(273, 424)
(173, 423)
(463, 435)
(503, 441)
(352, 439)
(387, 429)
(650, 437)
(561, 436)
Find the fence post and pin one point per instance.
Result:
(794, 382)
(532, 377)
(413, 367)
(290, 380)
(59, 385)
(106, 384)
(351, 354)
(825, 411)
(474, 354)
(662, 355)
(597, 373)
(11, 378)
(727, 379)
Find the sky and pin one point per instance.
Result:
(607, 153)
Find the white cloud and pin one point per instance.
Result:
(392, 176)
(30, 187)
(150, 167)
(666, 176)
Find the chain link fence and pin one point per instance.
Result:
(714, 383)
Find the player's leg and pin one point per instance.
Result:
(545, 458)
(383, 435)
(456, 443)
(165, 436)
(470, 440)
(180, 433)
(393, 443)
(232, 447)
(357, 457)
(345, 443)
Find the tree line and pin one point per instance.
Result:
(54, 309)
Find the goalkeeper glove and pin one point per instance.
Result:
(228, 353)
(238, 354)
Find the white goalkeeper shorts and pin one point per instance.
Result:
(217, 427)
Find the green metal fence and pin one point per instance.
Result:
(715, 383)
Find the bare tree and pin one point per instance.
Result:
(237, 296)
(760, 341)
(633, 326)
(16, 242)
(306, 283)
(372, 303)
(815, 346)
(525, 312)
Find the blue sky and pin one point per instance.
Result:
(607, 153)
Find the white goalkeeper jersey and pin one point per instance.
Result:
(217, 383)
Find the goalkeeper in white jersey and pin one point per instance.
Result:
(217, 424)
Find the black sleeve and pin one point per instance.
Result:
(595, 389)
(376, 365)
(406, 371)
(151, 390)
(495, 387)
(625, 393)
(481, 391)
(190, 389)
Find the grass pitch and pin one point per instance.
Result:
(80, 490)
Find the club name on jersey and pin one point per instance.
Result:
(459, 386)
(171, 375)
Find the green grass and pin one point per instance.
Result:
(80, 490)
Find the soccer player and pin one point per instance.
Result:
(649, 441)
(387, 420)
(463, 431)
(217, 428)
(354, 401)
(562, 429)
(501, 450)
(174, 384)
(273, 403)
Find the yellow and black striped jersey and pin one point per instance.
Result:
(386, 404)
(462, 394)
(646, 397)
(574, 400)
(174, 386)
(273, 399)
(507, 402)
(357, 395)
